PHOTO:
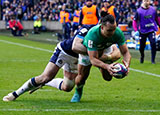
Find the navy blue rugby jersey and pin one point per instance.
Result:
(67, 44)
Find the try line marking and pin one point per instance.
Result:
(41, 49)
(83, 110)
(27, 46)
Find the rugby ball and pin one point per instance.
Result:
(120, 71)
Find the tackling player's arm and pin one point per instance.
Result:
(78, 47)
(113, 56)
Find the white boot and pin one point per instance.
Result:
(9, 97)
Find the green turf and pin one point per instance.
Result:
(45, 37)
(137, 94)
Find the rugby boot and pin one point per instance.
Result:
(77, 95)
(10, 97)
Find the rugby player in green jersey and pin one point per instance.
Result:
(98, 39)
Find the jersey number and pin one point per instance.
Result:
(90, 43)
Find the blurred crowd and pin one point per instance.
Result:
(48, 10)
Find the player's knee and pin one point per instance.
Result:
(68, 84)
(107, 78)
(67, 88)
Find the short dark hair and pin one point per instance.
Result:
(104, 13)
(108, 18)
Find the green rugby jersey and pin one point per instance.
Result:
(95, 41)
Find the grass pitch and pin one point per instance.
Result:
(21, 59)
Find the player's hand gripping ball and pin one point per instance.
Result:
(120, 71)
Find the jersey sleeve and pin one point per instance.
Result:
(82, 32)
(90, 41)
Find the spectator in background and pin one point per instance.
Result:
(25, 17)
(75, 20)
(15, 26)
(158, 14)
(19, 12)
(89, 14)
(44, 7)
(79, 3)
(111, 9)
(65, 20)
(37, 25)
(146, 18)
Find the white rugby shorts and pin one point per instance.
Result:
(60, 58)
(85, 61)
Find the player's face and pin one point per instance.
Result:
(106, 4)
(108, 29)
(89, 3)
(146, 3)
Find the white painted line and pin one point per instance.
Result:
(84, 110)
(42, 90)
(8, 42)
(27, 46)
(24, 60)
(148, 73)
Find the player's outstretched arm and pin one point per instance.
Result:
(93, 55)
(126, 56)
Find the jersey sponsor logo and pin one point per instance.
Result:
(89, 13)
(100, 46)
(149, 25)
(60, 61)
(108, 44)
(90, 43)
(148, 16)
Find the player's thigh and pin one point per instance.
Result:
(48, 74)
(69, 75)
(84, 66)
(57, 60)
(84, 60)
(70, 67)
(51, 70)
(83, 72)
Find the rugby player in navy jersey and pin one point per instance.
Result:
(62, 56)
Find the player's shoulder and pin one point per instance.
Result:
(81, 33)
(153, 8)
(93, 33)
(94, 29)
(83, 30)
(118, 31)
